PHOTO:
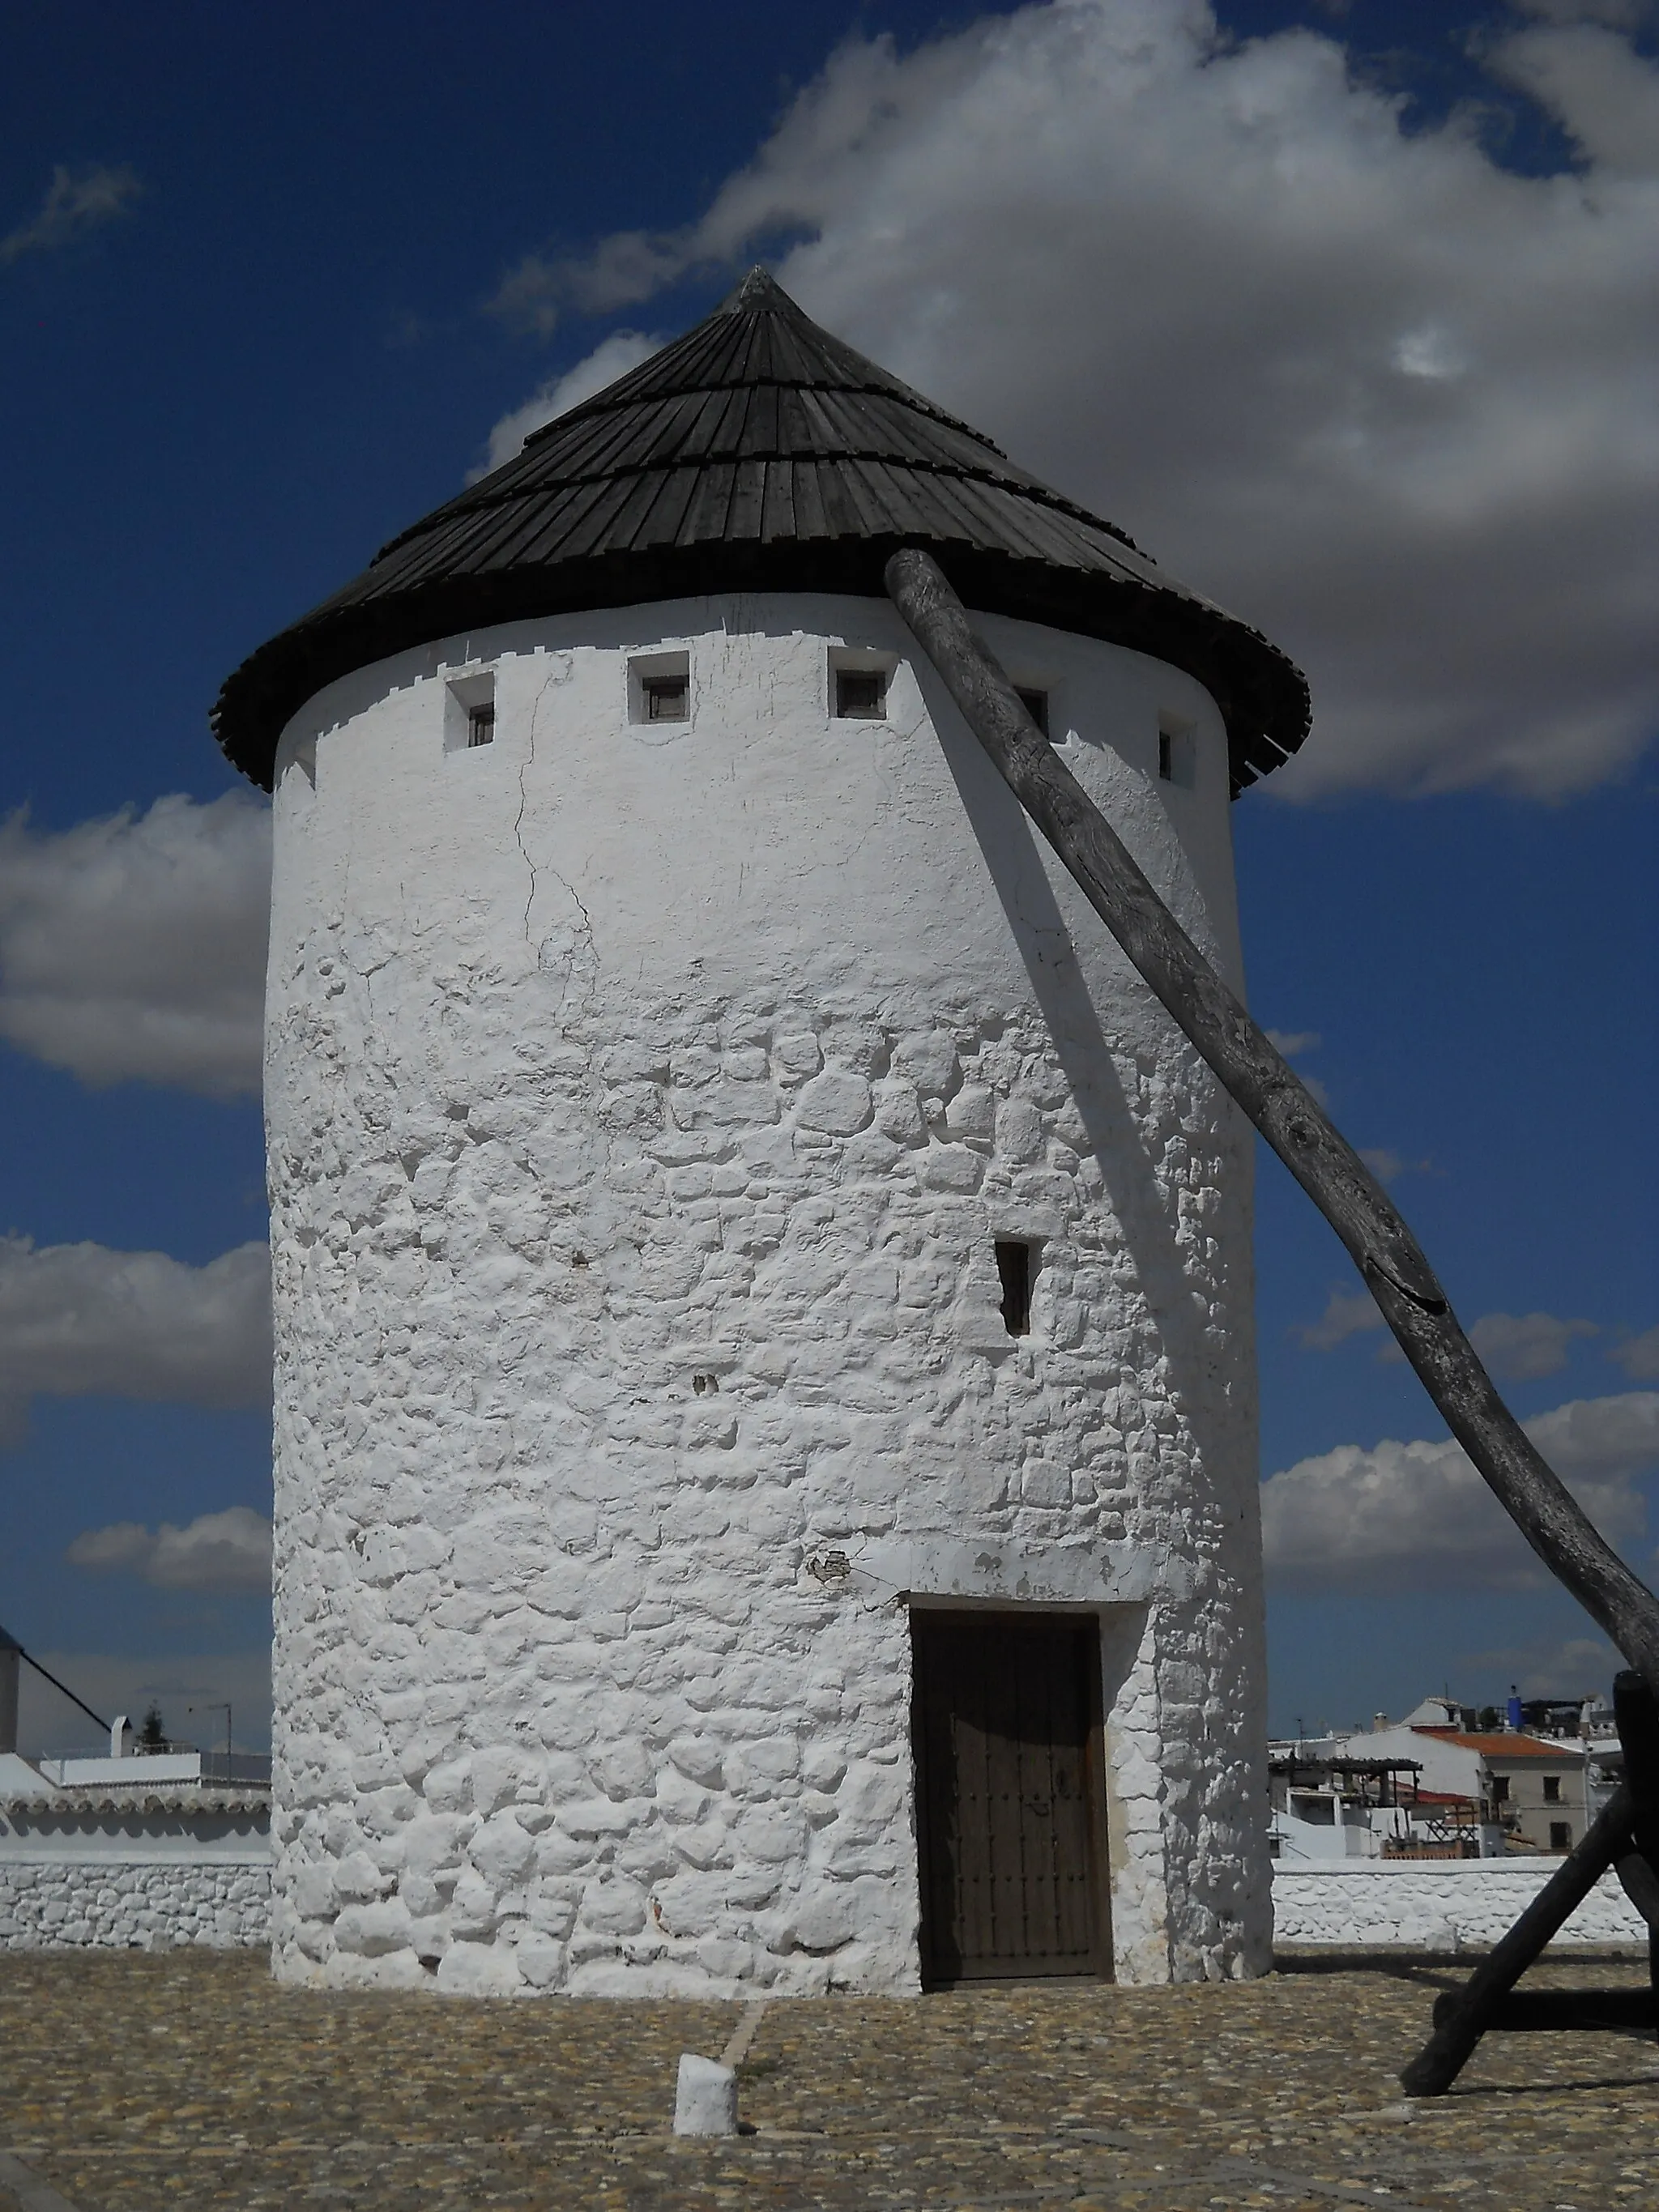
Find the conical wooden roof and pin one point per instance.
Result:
(757, 452)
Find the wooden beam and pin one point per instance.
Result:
(1388, 1255)
(1555, 2011)
(1462, 2017)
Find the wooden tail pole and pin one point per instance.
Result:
(1332, 1173)
(1624, 1836)
(1464, 2016)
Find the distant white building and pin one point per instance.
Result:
(1530, 1790)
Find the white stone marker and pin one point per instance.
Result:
(705, 2098)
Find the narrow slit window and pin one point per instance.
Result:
(1177, 753)
(667, 698)
(1014, 1266)
(861, 695)
(481, 724)
(1036, 704)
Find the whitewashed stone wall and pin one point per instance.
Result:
(643, 1101)
(55, 1903)
(1437, 1906)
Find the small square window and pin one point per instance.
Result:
(1014, 1266)
(1560, 1835)
(1552, 1790)
(1500, 1789)
(659, 688)
(468, 712)
(861, 695)
(1036, 704)
(667, 698)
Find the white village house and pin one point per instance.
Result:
(1435, 1784)
(125, 1852)
(765, 1432)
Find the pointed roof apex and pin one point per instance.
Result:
(759, 291)
(7, 1641)
(760, 452)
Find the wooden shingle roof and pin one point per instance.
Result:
(758, 453)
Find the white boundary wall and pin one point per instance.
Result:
(225, 1905)
(1434, 1905)
(82, 1902)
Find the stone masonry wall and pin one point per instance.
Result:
(58, 1904)
(61, 1904)
(642, 1108)
(51, 1903)
(1437, 1906)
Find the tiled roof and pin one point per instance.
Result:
(759, 453)
(1503, 1746)
(93, 1802)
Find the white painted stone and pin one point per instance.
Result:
(705, 2098)
(54, 1904)
(1438, 1905)
(373, 1930)
(642, 1114)
(479, 1970)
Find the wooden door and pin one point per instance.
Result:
(1005, 1728)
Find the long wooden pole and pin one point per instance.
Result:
(1341, 1186)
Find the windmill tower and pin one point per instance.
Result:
(766, 1478)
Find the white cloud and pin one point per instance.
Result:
(76, 201)
(1582, 75)
(1567, 1667)
(611, 358)
(1403, 1515)
(1346, 1315)
(1291, 1042)
(1516, 1347)
(227, 1550)
(1375, 392)
(80, 1320)
(1388, 1165)
(123, 1682)
(1639, 1356)
(1622, 14)
(1519, 1347)
(134, 945)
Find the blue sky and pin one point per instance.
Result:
(1340, 309)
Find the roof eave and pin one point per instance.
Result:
(1262, 697)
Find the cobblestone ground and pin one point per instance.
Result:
(131, 2083)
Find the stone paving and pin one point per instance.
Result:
(185, 2081)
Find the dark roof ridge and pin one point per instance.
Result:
(759, 288)
(758, 452)
(1032, 486)
(761, 294)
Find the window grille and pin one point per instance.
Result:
(481, 725)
